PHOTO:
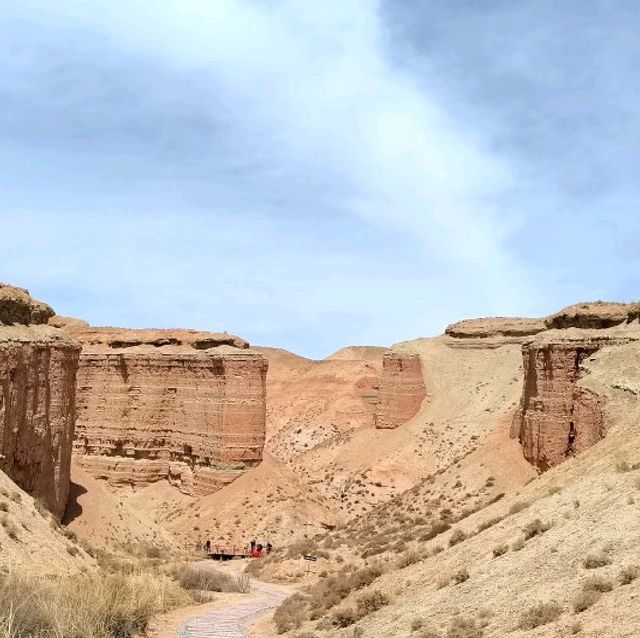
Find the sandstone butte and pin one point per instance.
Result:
(402, 389)
(38, 365)
(180, 405)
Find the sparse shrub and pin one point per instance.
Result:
(535, 528)
(408, 558)
(518, 507)
(460, 576)
(500, 550)
(464, 628)
(4, 507)
(194, 578)
(370, 602)
(98, 604)
(72, 550)
(416, 624)
(585, 599)
(16, 497)
(628, 574)
(575, 628)
(489, 523)
(345, 616)
(9, 527)
(153, 551)
(623, 466)
(597, 583)
(517, 545)
(593, 561)
(457, 537)
(540, 614)
(290, 614)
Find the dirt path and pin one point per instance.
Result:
(233, 620)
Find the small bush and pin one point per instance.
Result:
(194, 578)
(290, 614)
(371, 601)
(593, 561)
(464, 628)
(597, 583)
(585, 599)
(628, 574)
(460, 576)
(518, 507)
(416, 624)
(16, 497)
(4, 507)
(623, 466)
(408, 558)
(540, 614)
(500, 550)
(457, 537)
(535, 528)
(517, 545)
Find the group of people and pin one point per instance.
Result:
(255, 550)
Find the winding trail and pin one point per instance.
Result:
(233, 621)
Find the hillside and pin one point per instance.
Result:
(487, 546)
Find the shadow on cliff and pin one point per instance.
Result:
(74, 509)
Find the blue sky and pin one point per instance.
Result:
(312, 175)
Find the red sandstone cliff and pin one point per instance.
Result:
(557, 418)
(402, 389)
(180, 405)
(38, 366)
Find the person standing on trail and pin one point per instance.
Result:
(252, 546)
(207, 546)
(269, 548)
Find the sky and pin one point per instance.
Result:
(313, 175)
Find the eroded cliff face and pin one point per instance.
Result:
(402, 389)
(557, 417)
(38, 367)
(175, 405)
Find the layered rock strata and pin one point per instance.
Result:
(38, 366)
(495, 327)
(184, 406)
(557, 418)
(402, 389)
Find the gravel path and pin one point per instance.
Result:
(233, 621)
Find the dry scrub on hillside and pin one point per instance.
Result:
(197, 579)
(326, 595)
(98, 605)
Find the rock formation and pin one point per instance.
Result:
(180, 405)
(38, 366)
(402, 389)
(495, 327)
(557, 418)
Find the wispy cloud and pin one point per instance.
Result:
(305, 174)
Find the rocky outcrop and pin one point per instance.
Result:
(557, 418)
(180, 405)
(38, 367)
(402, 389)
(495, 327)
(594, 315)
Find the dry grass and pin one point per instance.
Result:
(199, 579)
(291, 614)
(585, 599)
(593, 561)
(628, 574)
(535, 528)
(95, 605)
(464, 628)
(597, 583)
(540, 614)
